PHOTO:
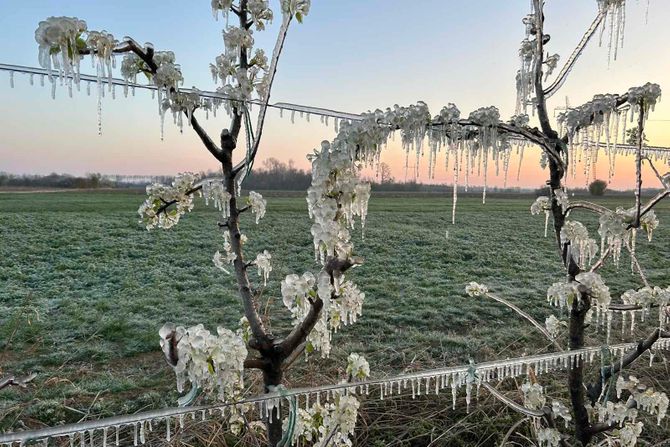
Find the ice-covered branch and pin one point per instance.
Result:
(595, 389)
(528, 317)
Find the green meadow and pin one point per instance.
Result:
(84, 289)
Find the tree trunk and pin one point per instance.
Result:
(272, 376)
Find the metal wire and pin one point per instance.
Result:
(498, 367)
(319, 111)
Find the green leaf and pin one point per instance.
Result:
(298, 16)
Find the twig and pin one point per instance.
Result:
(527, 317)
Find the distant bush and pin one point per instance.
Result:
(598, 187)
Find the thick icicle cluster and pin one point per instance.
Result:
(59, 40)
(582, 247)
(615, 232)
(213, 363)
(616, 15)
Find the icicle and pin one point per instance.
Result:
(99, 110)
(135, 434)
(292, 116)
(53, 89)
(104, 437)
(11, 79)
(116, 437)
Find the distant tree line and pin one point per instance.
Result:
(53, 180)
(273, 175)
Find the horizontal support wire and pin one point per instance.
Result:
(486, 371)
(205, 94)
(319, 111)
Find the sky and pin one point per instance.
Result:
(349, 55)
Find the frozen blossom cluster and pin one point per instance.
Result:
(582, 247)
(59, 40)
(213, 363)
(156, 212)
(616, 232)
(341, 306)
(535, 399)
(331, 423)
(623, 413)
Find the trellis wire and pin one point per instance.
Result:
(205, 94)
(486, 372)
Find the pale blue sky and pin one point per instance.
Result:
(351, 55)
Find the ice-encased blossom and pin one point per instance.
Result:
(553, 325)
(235, 38)
(562, 293)
(59, 40)
(533, 395)
(597, 290)
(222, 261)
(331, 423)
(155, 212)
(647, 95)
(476, 289)
(653, 402)
(211, 362)
(629, 433)
(357, 367)
(299, 8)
(541, 204)
(264, 266)
(560, 410)
(595, 112)
(615, 412)
(562, 198)
(260, 12)
(649, 222)
(215, 191)
(549, 437)
(582, 247)
(631, 384)
(257, 204)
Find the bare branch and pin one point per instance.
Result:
(636, 264)
(204, 137)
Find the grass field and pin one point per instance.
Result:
(84, 289)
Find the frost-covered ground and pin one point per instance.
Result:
(84, 290)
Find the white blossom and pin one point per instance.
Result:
(597, 290)
(549, 437)
(155, 211)
(59, 43)
(475, 289)
(264, 266)
(582, 247)
(560, 410)
(541, 204)
(562, 293)
(211, 362)
(257, 203)
(533, 395)
(553, 325)
(357, 367)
